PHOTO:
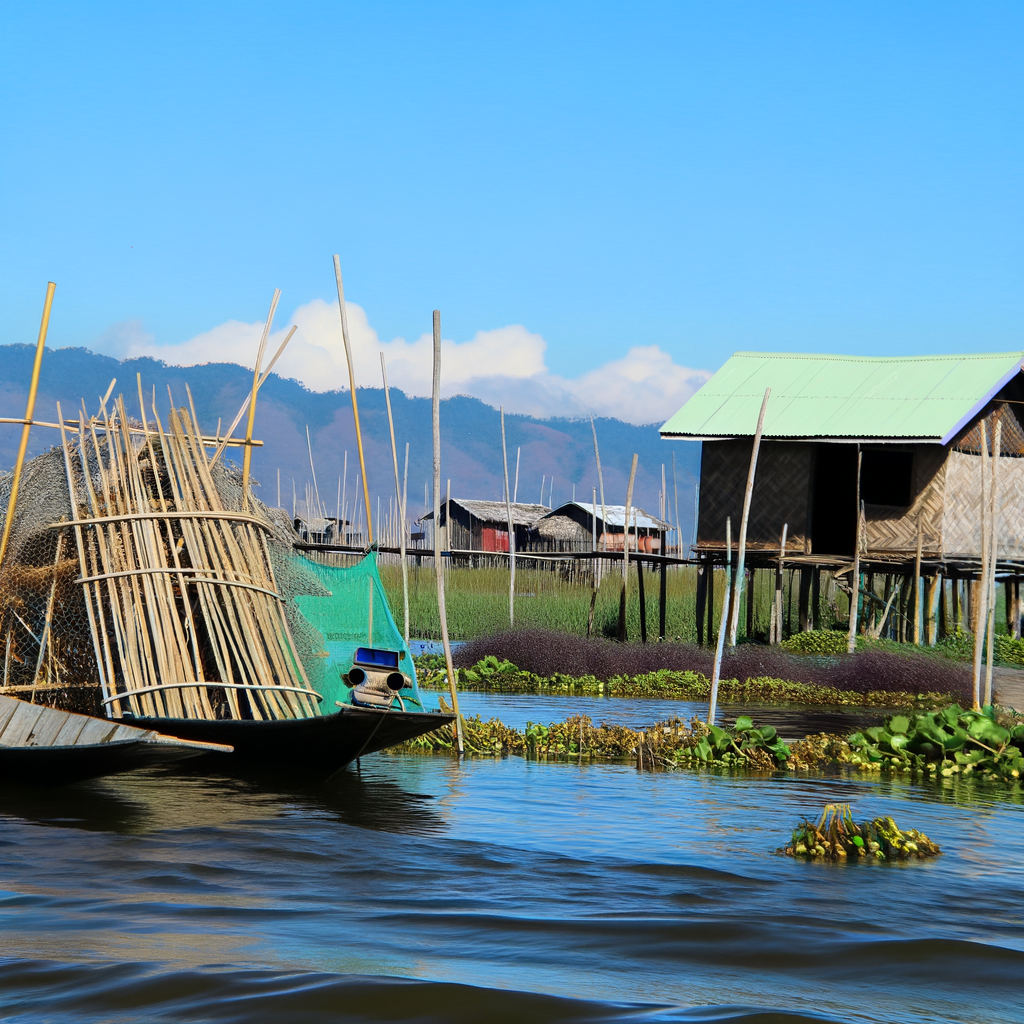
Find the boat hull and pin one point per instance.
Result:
(47, 766)
(325, 742)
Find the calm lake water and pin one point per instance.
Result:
(418, 889)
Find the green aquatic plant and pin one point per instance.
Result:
(816, 641)
(668, 744)
(1009, 650)
(837, 837)
(951, 741)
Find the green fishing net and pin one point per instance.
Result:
(346, 608)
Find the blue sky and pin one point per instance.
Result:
(680, 180)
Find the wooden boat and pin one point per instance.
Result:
(41, 745)
(324, 742)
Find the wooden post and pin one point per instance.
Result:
(932, 593)
(438, 567)
(320, 510)
(979, 590)
(511, 531)
(778, 586)
(30, 407)
(723, 627)
(625, 550)
(805, 600)
(703, 572)
(917, 579)
(600, 481)
(750, 604)
(251, 422)
(662, 596)
(744, 520)
(993, 558)
(642, 597)
(851, 638)
(355, 403)
(400, 496)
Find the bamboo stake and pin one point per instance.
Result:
(979, 614)
(222, 444)
(399, 496)
(438, 567)
(30, 408)
(352, 388)
(851, 639)
(511, 531)
(600, 481)
(312, 469)
(741, 554)
(247, 457)
(625, 550)
(405, 561)
(917, 579)
(993, 558)
(515, 489)
(44, 637)
(777, 607)
(716, 671)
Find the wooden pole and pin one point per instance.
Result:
(600, 482)
(30, 408)
(355, 403)
(741, 554)
(625, 551)
(778, 586)
(438, 567)
(981, 592)
(703, 570)
(251, 422)
(642, 597)
(399, 496)
(993, 558)
(662, 598)
(405, 567)
(515, 487)
(851, 639)
(917, 580)
(511, 531)
(717, 670)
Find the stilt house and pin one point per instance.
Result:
(915, 426)
(576, 526)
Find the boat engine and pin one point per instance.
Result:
(376, 680)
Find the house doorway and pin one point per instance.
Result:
(834, 499)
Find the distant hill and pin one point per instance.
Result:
(470, 433)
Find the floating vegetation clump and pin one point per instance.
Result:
(670, 744)
(498, 675)
(949, 742)
(837, 837)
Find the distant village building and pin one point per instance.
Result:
(579, 526)
(483, 525)
(317, 530)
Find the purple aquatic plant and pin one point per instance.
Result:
(547, 652)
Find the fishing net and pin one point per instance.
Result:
(333, 611)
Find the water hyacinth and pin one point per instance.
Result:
(837, 837)
(953, 741)
(670, 744)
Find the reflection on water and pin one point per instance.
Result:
(422, 889)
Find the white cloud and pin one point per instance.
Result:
(502, 366)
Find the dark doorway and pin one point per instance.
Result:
(886, 477)
(834, 500)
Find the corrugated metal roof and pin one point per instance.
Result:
(616, 515)
(927, 398)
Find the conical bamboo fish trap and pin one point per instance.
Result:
(180, 594)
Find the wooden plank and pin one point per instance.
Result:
(46, 728)
(20, 725)
(8, 705)
(97, 730)
(70, 731)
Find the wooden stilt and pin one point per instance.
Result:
(703, 571)
(641, 594)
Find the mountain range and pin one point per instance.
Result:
(555, 455)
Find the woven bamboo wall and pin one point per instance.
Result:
(893, 530)
(781, 492)
(961, 531)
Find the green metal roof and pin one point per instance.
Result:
(927, 398)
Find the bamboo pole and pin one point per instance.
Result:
(716, 671)
(399, 494)
(405, 565)
(624, 593)
(251, 422)
(511, 531)
(30, 408)
(917, 579)
(741, 554)
(600, 481)
(515, 488)
(851, 639)
(993, 558)
(312, 469)
(352, 389)
(777, 606)
(438, 567)
(979, 613)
